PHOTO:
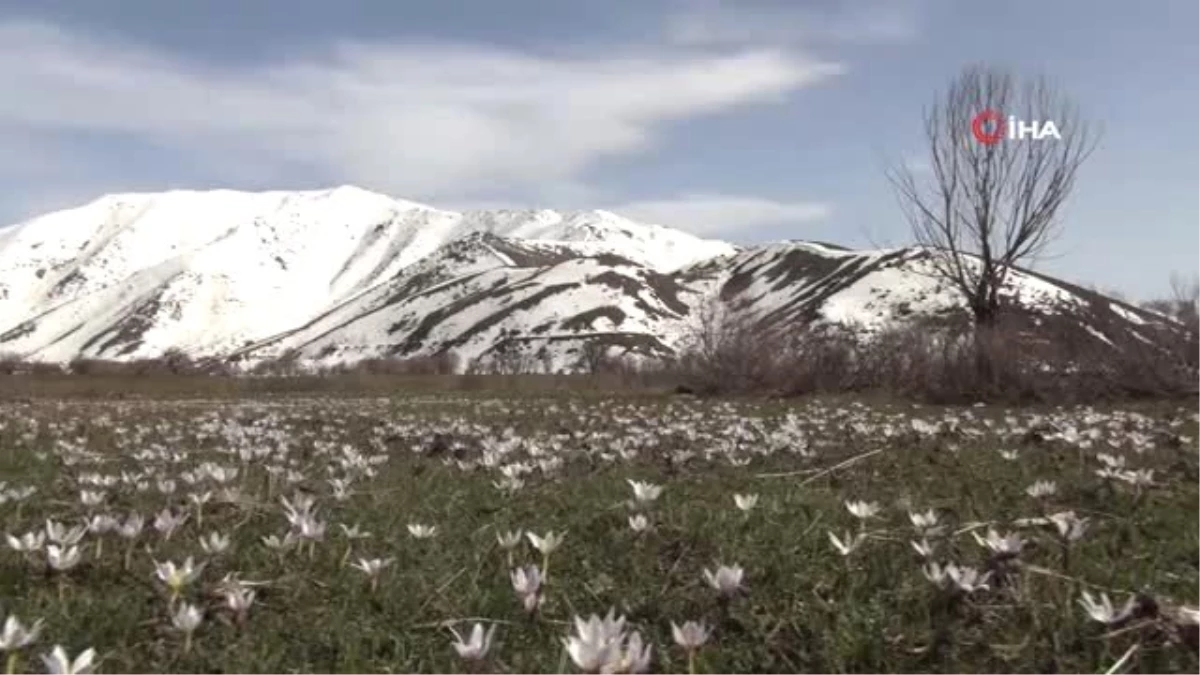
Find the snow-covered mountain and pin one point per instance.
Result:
(131, 275)
(344, 274)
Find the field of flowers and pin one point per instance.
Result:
(587, 533)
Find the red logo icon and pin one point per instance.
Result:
(979, 127)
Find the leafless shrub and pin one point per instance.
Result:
(594, 358)
(10, 364)
(1031, 358)
(87, 366)
(1182, 302)
(1182, 305)
(508, 362)
(172, 362)
(726, 349)
(13, 364)
(287, 364)
(439, 364)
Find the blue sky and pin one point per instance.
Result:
(752, 120)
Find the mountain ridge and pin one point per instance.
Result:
(344, 274)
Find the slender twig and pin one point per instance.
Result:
(1124, 657)
(1067, 577)
(438, 591)
(1127, 629)
(467, 619)
(821, 472)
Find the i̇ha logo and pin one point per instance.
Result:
(991, 127)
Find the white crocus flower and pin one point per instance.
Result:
(634, 656)
(373, 568)
(923, 548)
(862, 510)
(546, 544)
(311, 529)
(1008, 546)
(849, 543)
(91, 498)
(1070, 527)
(926, 524)
(28, 542)
(60, 534)
(476, 647)
(58, 663)
(62, 559)
(967, 579)
(16, 635)
(353, 532)
(420, 531)
(177, 577)
(745, 503)
(200, 498)
(277, 543)
(726, 580)
(527, 583)
(186, 620)
(935, 573)
(297, 509)
(1103, 610)
(645, 493)
(509, 540)
(167, 522)
(215, 543)
(132, 527)
(102, 523)
(1138, 478)
(239, 599)
(691, 636)
(1042, 489)
(639, 522)
(526, 580)
(596, 645)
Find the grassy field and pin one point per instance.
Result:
(343, 481)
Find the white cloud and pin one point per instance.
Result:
(721, 215)
(430, 121)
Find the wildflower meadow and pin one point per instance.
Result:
(458, 532)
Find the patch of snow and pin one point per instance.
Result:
(1097, 334)
(1129, 316)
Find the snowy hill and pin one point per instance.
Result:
(132, 275)
(344, 274)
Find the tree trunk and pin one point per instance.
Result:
(985, 339)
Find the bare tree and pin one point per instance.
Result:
(1185, 294)
(981, 208)
(1183, 303)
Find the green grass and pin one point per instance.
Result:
(806, 608)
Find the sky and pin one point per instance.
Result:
(746, 120)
